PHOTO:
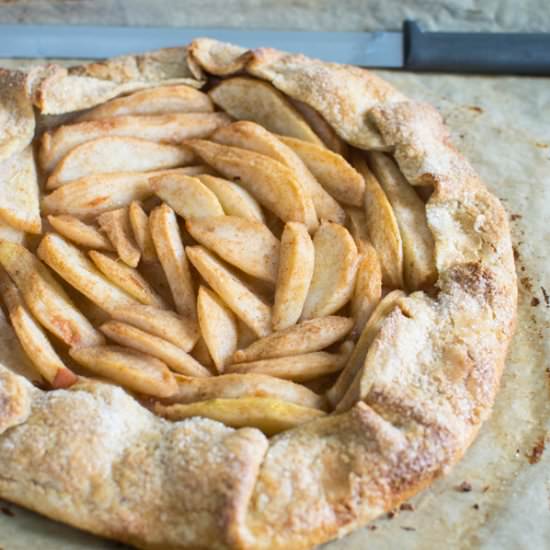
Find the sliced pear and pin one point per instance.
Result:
(79, 232)
(332, 171)
(116, 224)
(299, 368)
(235, 200)
(382, 228)
(236, 295)
(136, 371)
(74, 267)
(116, 154)
(296, 265)
(270, 182)
(368, 288)
(168, 353)
(253, 137)
(355, 363)
(235, 386)
(91, 196)
(269, 415)
(46, 298)
(32, 338)
(187, 196)
(249, 99)
(139, 222)
(306, 337)
(153, 101)
(127, 278)
(336, 261)
(246, 244)
(218, 327)
(9, 233)
(19, 204)
(321, 127)
(202, 355)
(174, 328)
(410, 212)
(172, 128)
(169, 248)
(245, 335)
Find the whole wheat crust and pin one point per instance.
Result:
(91, 456)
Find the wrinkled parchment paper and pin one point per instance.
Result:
(498, 497)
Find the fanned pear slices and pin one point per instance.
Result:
(19, 204)
(336, 260)
(180, 331)
(153, 101)
(133, 370)
(332, 171)
(168, 353)
(381, 226)
(299, 368)
(246, 244)
(187, 196)
(33, 340)
(269, 181)
(410, 212)
(169, 247)
(117, 154)
(45, 297)
(235, 200)
(306, 337)
(235, 386)
(355, 363)
(171, 128)
(249, 99)
(218, 327)
(127, 278)
(253, 137)
(117, 226)
(139, 222)
(267, 414)
(239, 298)
(297, 260)
(79, 232)
(74, 267)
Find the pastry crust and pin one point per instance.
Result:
(435, 365)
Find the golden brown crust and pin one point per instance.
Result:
(17, 121)
(56, 90)
(434, 370)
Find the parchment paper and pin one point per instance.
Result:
(503, 127)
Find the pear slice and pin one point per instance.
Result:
(80, 233)
(313, 335)
(116, 224)
(332, 171)
(296, 265)
(153, 101)
(238, 297)
(169, 248)
(249, 99)
(246, 244)
(134, 370)
(32, 338)
(45, 297)
(218, 327)
(74, 267)
(336, 261)
(173, 356)
(116, 154)
(139, 221)
(267, 414)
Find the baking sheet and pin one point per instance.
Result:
(502, 125)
